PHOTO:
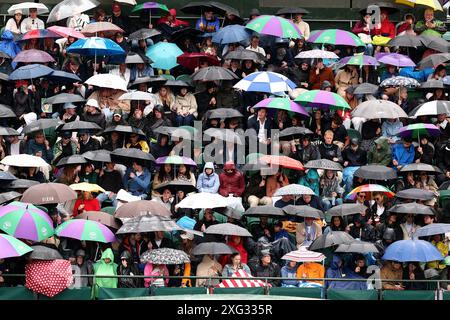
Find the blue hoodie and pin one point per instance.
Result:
(287, 272)
(402, 155)
(208, 183)
(336, 271)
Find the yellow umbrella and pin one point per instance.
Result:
(89, 187)
(434, 4)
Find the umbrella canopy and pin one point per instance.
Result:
(177, 185)
(107, 29)
(359, 60)
(6, 112)
(231, 213)
(25, 221)
(379, 109)
(193, 60)
(294, 133)
(407, 41)
(369, 188)
(48, 277)
(294, 190)
(141, 208)
(212, 248)
(176, 160)
(433, 4)
(8, 196)
(432, 84)
(98, 155)
(26, 6)
(62, 76)
(304, 211)
(152, 7)
(24, 160)
(433, 60)
(304, 255)
(164, 55)
(395, 59)
(245, 54)
(420, 167)
(228, 229)
(68, 8)
(125, 130)
(412, 208)
(292, 10)
(64, 98)
(231, 34)
(71, 160)
(282, 161)
(127, 156)
(30, 71)
(39, 34)
(107, 81)
(432, 229)
(80, 125)
(317, 54)
(203, 200)
(259, 211)
(42, 252)
(165, 256)
(143, 34)
(86, 230)
(66, 32)
(436, 43)
(265, 81)
(331, 239)
(223, 113)
(99, 216)
(357, 247)
(7, 176)
(322, 99)
(7, 131)
(148, 224)
(213, 73)
(335, 37)
(346, 209)
(432, 108)
(366, 88)
(88, 187)
(137, 96)
(323, 164)
(11, 247)
(375, 172)
(415, 194)
(95, 46)
(21, 184)
(400, 82)
(412, 251)
(274, 26)
(281, 104)
(41, 124)
(48, 193)
(418, 130)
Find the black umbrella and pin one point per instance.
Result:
(292, 11)
(213, 73)
(152, 81)
(436, 43)
(223, 9)
(198, 8)
(406, 41)
(65, 97)
(7, 131)
(245, 55)
(6, 112)
(127, 156)
(323, 164)
(125, 130)
(41, 124)
(331, 239)
(432, 229)
(432, 84)
(9, 196)
(213, 248)
(257, 166)
(21, 184)
(6, 176)
(42, 252)
(420, 167)
(185, 33)
(357, 247)
(143, 34)
(71, 160)
(304, 211)
(375, 172)
(294, 133)
(433, 60)
(177, 185)
(223, 113)
(175, 132)
(413, 208)
(264, 211)
(98, 155)
(366, 88)
(80, 125)
(415, 194)
(346, 209)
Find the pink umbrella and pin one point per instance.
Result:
(66, 32)
(33, 56)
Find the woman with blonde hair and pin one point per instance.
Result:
(85, 202)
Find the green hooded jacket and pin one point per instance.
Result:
(381, 156)
(103, 268)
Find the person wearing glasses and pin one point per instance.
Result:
(378, 209)
(32, 22)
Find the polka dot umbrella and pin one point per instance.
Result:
(48, 277)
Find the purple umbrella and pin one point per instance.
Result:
(418, 130)
(87, 230)
(395, 59)
(33, 56)
(281, 104)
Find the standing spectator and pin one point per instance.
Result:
(13, 24)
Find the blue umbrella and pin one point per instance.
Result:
(412, 251)
(31, 71)
(432, 229)
(95, 46)
(164, 55)
(265, 81)
(62, 76)
(231, 34)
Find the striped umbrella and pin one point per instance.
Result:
(369, 188)
(152, 7)
(433, 4)
(317, 54)
(322, 99)
(265, 81)
(359, 60)
(281, 104)
(275, 26)
(418, 130)
(241, 283)
(336, 37)
(11, 247)
(86, 230)
(176, 160)
(25, 221)
(39, 34)
(303, 255)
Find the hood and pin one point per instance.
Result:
(125, 255)
(229, 166)
(173, 12)
(335, 262)
(208, 165)
(384, 143)
(108, 254)
(7, 35)
(312, 174)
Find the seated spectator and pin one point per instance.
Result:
(105, 267)
(235, 265)
(424, 151)
(311, 270)
(39, 146)
(289, 271)
(86, 202)
(329, 150)
(307, 232)
(156, 270)
(267, 268)
(336, 271)
(262, 229)
(164, 175)
(331, 190)
(430, 26)
(380, 152)
(137, 180)
(127, 267)
(392, 270)
(336, 224)
(413, 271)
(318, 74)
(209, 267)
(403, 153)
(390, 129)
(231, 181)
(137, 142)
(208, 181)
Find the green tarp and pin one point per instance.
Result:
(121, 293)
(296, 292)
(71, 294)
(446, 295)
(238, 291)
(16, 293)
(164, 291)
(408, 295)
(352, 294)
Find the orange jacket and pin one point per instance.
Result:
(311, 270)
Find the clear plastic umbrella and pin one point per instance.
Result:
(26, 6)
(68, 8)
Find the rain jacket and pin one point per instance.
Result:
(208, 183)
(389, 273)
(423, 30)
(443, 249)
(175, 23)
(382, 156)
(336, 271)
(402, 155)
(311, 270)
(231, 183)
(207, 268)
(103, 268)
(33, 147)
(149, 270)
(131, 269)
(311, 180)
(8, 46)
(239, 248)
(387, 29)
(287, 272)
(139, 185)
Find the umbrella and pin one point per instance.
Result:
(199, 8)
(231, 34)
(125, 130)
(436, 43)
(179, 132)
(63, 77)
(227, 135)
(274, 26)
(294, 133)
(434, 4)
(203, 200)
(26, 6)
(31, 71)
(223, 9)
(281, 104)
(294, 190)
(304, 255)
(413, 41)
(446, 80)
(68, 8)
(369, 188)
(245, 54)
(137, 96)
(231, 213)
(346, 209)
(41, 125)
(282, 161)
(24, 161)
(71, 160)
(415, 194)
(366, 88)
(98, 155)
(48, 193)
(85, 230)
(412, 251)
(331, 239)
(335, 37)
(292, 11)
(39, 34)
(21, 184)
(395, 59)
(223, 113)
(248, 282)
(193, 60)
(322, 99)
(107, 29)
(413, 208)
(357, 247)
(48, 277)
(265, 81)
(43, 252)
(359, 60)
(11, 247)
(420, 167)
(304, 211)
(432, 84)
(418, 130)
(176, 160)
(165, 256)
(213, 74)
(176, 185)
(375, 172)
(432, 229)
(8, 196)
(212, 248)
(141, 208)
(143, 34)
(80, 125)
(65, 98)
(99, 216)
(7, 131)
(317, 54)
(6, 112)
(227, 229)
(264, 211)
(88, 187)
(7, 176)
(135, 58)
(379, 109)
(400, 82)
(148, 223)
(129, 155)
(25, 221)
(164, 55)
(433, 60)
(152, 7)
(323, 164)
(177, 83)
(130, 2)
(66, 32)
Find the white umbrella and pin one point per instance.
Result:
(137, 95)
(294, 190)
(24, 160)
(379, 109)
(130, 2)
(203, 200)
(303, 255)
(104, 80)
(316, 54)
(68, 8)
(26, 6)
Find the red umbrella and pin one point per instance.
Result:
(48, 277)
(192, 60)
(241, 283)
(39, 34)
(282, 161)
(67, 32)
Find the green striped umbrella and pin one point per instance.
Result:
(11, 247)
(322, 99)
(336, 37)
(275, 26)
(86, 230)
(153, 7)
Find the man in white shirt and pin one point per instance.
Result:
(32, 22)
(254, 45)
(302, 25)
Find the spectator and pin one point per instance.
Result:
(208, 181)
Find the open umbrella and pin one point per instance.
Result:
(25, 221)
(346, 209)
(417, 130)
(127, 156)
(48, 277)
(26, 6)
(412, 208)
(366, 88)
(30, 72)
(395, 59)
(259, 211)
(19, 184)
(420, 167)
(294, 190)
(193, 60)
(125, 130)
(433, 4)
(399, 81)
(303, 255)
(379, 109)
(6, 112)
(39, 34)
(223, 113)
(292, 11)
(227, 229)
(294, 133)
(335, 37)
(282, 161)
(59, 76)
(48, 193)
(148, 223)
(79, 125)
(71, 160)
(433, 60)
(369, 188)
(107, 29)
(323, 164)
(415, 194)
(322, 99)
(141, 208)
(203, 200)
(11, 247)
(68, 8)
(245, 54)
(137, 96)
(375, 172)
(412, 251)
(66, 32)
(143, 34)
(212, 248)
(176, 185)
(165, 256)
(152, 8)
(7, 176)
(98, 155)
(432, 85)
(317, 54)
(176, 160)
(331, 239)
(359, 60)
(357, 247)
(432, 229)
(274, 26)
(99, 216)
(281, 104)
(64, 98)
(9, 196)
(213, 73)
(265, 81)
(86, 230)
(164, 55)
(436, 43)
(7, 131)
(407, 41)
(24, 160)
(41, 124)
(304, 211)
(43, 252)
(88, 187)
(231, 34)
